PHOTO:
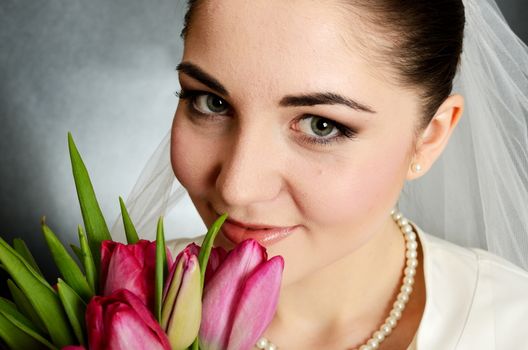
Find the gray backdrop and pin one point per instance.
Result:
(103, 70)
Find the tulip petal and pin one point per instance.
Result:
(171, 291)
(257, 305)
(149, 271)
(222, 293)
(184, 322)
(144, 314)
(94, 323)
(107, 249)
(124, 271)
(122, 321)
(140, 249)
(192, 248)
(127, 331)
(131, 267)
(187, 252)
(218, 255)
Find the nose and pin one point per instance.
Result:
(249, 172)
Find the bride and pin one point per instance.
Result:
(310, 123)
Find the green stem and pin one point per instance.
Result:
(194, 345)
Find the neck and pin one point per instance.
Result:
(351, 296)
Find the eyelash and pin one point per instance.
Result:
(191, 96)
(344, 131)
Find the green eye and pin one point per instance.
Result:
(318, 127)
(211, 104)
(323, 131)
(321, 127)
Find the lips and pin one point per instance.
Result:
(237, 232)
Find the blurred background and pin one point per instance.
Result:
(105, 71)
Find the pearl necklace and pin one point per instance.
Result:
(403, 297)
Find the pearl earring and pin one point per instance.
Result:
(416, 167)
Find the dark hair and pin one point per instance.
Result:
(426, 43)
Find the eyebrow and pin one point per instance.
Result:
(309, 99)
(203, 77)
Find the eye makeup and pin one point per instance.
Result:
(343, 132)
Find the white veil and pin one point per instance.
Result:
(476, 194)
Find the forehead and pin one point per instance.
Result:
(277, 46)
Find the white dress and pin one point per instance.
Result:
(475, 300)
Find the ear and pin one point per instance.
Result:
(434, 138)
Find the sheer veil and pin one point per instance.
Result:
(476, 193)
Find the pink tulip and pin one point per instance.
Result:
(121, 321)
(131, 267)
(74, 347)
(182, 297)
(217, 256)
(240, 298)
(182, 300)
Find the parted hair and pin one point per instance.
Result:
(425, 36)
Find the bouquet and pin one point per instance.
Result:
(135, 295)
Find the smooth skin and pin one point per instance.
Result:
(265, 161)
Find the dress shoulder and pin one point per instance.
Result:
(475, 299)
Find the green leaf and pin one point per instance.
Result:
(94, 222)
(14, 338)
(42, 297)
(23, 326)
(130, 230)
(22, 249)
(77, 251)
(24, 306)
(207, 244)
(88, 262)
(67, 266)
(161, 268)
(24, 263)
(75, 308)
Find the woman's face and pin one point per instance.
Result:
(290, 124)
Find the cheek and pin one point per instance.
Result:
(356, 189)
(344, 200)
(187, 156)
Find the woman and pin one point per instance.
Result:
(303, 121)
